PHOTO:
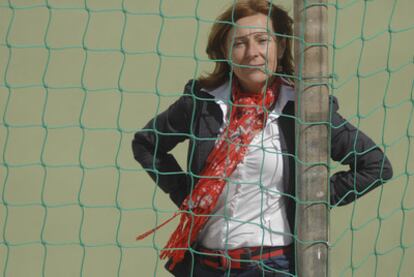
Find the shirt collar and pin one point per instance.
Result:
(222, 93)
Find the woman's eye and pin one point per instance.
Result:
(264, 40)
(237, 44)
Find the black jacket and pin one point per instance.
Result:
(197, 117)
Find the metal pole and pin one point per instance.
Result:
(312, 108)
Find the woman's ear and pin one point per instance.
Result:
(281, 47)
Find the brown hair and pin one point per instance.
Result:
(216, 45)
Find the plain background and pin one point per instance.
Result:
(72, 197)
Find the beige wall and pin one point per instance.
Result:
(68, 116)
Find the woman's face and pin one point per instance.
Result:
(252, 48)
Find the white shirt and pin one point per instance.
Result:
(251, 210)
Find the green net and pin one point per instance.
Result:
(79, 78)
(373, 71)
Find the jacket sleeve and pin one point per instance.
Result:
(368, 165)
(152, 144)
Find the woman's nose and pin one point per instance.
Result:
(252, 50)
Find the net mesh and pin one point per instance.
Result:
(78, 78)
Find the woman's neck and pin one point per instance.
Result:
(254, 88)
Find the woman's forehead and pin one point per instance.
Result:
(258, 23)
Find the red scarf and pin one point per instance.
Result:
(248, 117)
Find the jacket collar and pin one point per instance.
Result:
(222, 96)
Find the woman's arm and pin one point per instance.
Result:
(369, 167)
(152, 144)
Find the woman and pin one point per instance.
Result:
(238, 191)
